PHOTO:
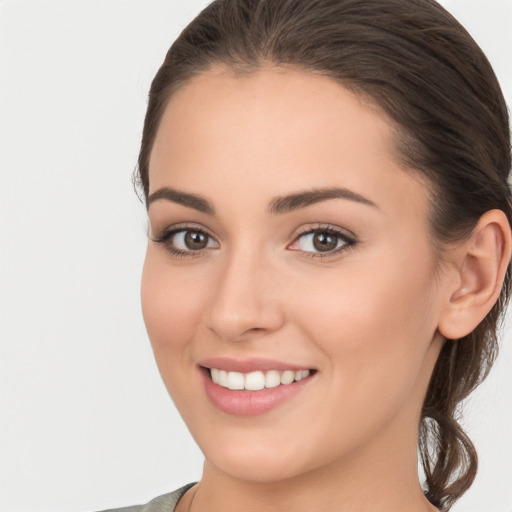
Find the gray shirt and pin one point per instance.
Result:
(164, 503)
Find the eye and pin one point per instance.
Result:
(186, 242)
(322, 241)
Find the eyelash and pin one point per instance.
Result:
(349, 241)
(166, 236)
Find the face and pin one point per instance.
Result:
(289, 256)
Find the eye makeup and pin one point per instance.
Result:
(312, 241)
(186, 240)
(322, 241)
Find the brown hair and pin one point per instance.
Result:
(415, 61)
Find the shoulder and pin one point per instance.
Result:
(164, 503)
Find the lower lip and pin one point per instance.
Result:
(250, 403)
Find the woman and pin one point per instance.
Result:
(329, 248)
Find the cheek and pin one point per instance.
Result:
(171, 304)
(172, 308)
(375, 329)
(360, 307)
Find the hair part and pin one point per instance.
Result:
(420, 66)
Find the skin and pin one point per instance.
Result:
(365, 317)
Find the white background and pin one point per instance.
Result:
(85, 422)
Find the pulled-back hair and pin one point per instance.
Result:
(422, 68)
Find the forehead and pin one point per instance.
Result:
(274, 130)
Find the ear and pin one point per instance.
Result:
(481, 264)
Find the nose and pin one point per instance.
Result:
(245, 303)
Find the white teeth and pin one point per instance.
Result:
(223, 378)
(287, 377)
(255, 381)
(236, 380)
(272, 379)
(301, 374)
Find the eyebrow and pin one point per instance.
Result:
(292, 202)
(185, 199)
(279, 205)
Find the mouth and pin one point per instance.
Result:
(249, 388)
(256, 380)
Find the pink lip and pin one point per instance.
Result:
(249, 403)
(248, 365)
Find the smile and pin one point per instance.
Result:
(253, 386)
(256, 380)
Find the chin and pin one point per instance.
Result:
(262, 459)
(255, 468)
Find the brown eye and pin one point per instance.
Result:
(188, 241)
(195, 240)
(324, 242)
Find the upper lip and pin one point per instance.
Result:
(249, 365)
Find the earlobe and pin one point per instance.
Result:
(482, 263)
